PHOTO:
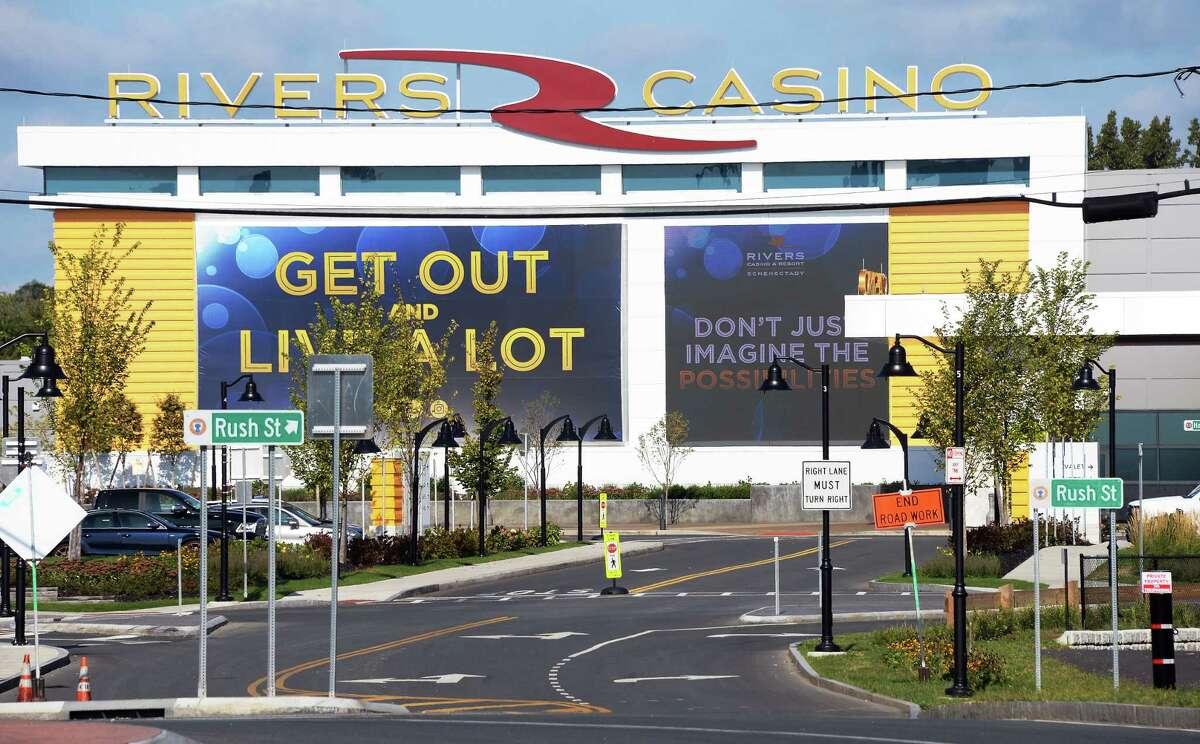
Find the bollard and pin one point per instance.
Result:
(1157, 584)
(777, 577)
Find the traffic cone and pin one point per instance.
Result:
(25, 690)
(83, 691)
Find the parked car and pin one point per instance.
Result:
(176, 506)
(125, 531)
(1189, 503)
(294, 524)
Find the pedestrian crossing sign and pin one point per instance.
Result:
(612, 555)
(603, 511)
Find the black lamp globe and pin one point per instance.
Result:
(445, 437)
(43, 364)
(49, 389)
(1084, 380)
(568, 433)
(509, 436)
(250, 394)
(875, 438)
(457, 427)
(605, 434)
(775, 379)
(897, 363)
(366, 447)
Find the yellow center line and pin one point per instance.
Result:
(726, 569)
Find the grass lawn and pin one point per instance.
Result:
(865, 665)
(283, 588)
(983, 581)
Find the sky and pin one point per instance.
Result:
(71, 46)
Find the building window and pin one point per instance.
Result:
(967, 172)
(259, 180)
(855, 174)
(505, 178)
(108, 180)
(682, 177)
(401, 179)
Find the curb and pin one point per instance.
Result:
(903, 707)
(213, 707)
(61, 657)
(1097, 713)
(80, 625)
(894, 588)
(752, 619)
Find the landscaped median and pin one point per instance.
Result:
(1000, 666)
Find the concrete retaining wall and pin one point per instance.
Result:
(775, 504)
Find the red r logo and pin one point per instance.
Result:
(561, 85)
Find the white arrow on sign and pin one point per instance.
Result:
(763, 635)
(439, 679)
(685, 677)
(541, 637)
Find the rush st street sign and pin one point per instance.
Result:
(1087, 493)
(206, 428)
(894, 510)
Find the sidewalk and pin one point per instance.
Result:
(1051, 567)
(11, 657)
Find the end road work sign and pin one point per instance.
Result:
(243, 427)
(826, 485)
(894, 510)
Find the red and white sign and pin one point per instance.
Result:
(1156, 582)
(956, 465)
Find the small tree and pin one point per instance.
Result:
(496, 458)
(661, 452)
(539, 412)
(166, 434)
(97, 332)
(127, 432)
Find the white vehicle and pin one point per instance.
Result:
(293, 524)
(1187, 504)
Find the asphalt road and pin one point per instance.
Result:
(668, 663)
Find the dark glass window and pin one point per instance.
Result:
(109, 180)
(273, 179)
(401, 179)
(845, 174)
(682, 177)
(505, 178)
(967, 172)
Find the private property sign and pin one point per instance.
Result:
(1156, 582)
(1087, 493)
(826, 485)
(894, 510)
(206, 428)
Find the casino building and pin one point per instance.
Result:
(633, 281)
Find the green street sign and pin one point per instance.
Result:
(1087, 493)
(243, 427)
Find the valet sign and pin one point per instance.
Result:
(826, 485)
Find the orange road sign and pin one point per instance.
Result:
(894, 510)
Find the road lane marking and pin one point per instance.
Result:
(282, 677)
(735, 567)
(683, 677)
(763, 635)
(437, 679)
(541, 636)
(645, 570)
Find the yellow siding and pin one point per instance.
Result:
(928, 250)
(162, 269)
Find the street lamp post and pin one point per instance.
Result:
(45, 367)
(875, 440)
(776, 381)
(898, 366)
(508, 438)
(567, 434)
(249, 394)
(443, 440)
(5, 553)
(454, 429)
(605, 434)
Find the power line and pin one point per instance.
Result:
(1179, 74)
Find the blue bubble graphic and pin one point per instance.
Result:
(256, 256)
(309, 229)
(722, 259)
(210, 270)
(680, 273)
(509, 237)
(214, 315)
(697, 237)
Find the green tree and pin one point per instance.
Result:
(661, 451)
(166, 434)
(497, 459)
(995, 329)
(127, 431)
(539, 412)
(97, 331)
(1129, 155)
(23, 310)
(1192, 157)
(1157, 148)
(1105, 155)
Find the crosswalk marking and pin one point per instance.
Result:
(555, 594)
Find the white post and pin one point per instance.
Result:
(1112, 577)
(1141, 511)
(245, 548)
(777, 612)
(333, 555)
(1037, 605)
(179, 572)
(202, 682)
(272, 517)
(525, 478)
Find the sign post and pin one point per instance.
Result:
(612, 563)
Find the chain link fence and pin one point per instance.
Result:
(1095, 587)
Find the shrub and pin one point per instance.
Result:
(1168, 534)
(903, 651)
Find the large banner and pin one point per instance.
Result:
(554, 292)
(738, 296)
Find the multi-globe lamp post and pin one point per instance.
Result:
(898, 366)
(876, 441)
(775, 381)
(447, 439)
(249, 394)
(444, 440)
(604, 434)
(566, 434)
(508, 438)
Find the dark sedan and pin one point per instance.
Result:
(124, 532)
